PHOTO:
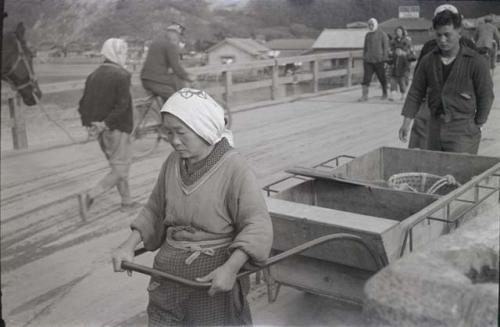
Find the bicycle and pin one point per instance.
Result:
(148, 131)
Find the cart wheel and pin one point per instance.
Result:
(147, 132)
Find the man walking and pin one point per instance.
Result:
(459, 90)
(106, 107)
(375, 55)
(487, 39)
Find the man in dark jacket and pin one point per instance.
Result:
(106, 107)
(419, 129)
(375, 55)
(162, 73)
(458, 87)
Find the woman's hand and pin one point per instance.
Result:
(119, 255)
(125, 252)
(222, 279)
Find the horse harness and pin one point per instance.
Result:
(21, 57)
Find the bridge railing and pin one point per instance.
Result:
(239, 85)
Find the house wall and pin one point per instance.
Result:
(226, 50)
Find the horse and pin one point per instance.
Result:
(17, 66)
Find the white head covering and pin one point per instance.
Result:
(115, 50)
(444, 7)
(201, 113)
(374, 22)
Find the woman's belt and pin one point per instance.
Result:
(207, 247)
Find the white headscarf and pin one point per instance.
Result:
(201, 113)
(115, 50)
(444, 7)
(374, 22)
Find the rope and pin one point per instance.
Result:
(61, 127)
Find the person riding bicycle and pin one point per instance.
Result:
(162, 73)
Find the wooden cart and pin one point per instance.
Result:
(338, 223)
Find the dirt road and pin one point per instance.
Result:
(56, 269)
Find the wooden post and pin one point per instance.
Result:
(315, 72)
(228, 86)
(275, 79)
(19, 137)
(349, 70)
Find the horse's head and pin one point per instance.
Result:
(17, 66)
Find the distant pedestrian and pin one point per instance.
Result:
(487, 38)
(375, 56)
(458, 87)
(400, 64)
(106, 107)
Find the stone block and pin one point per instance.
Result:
(452, 282)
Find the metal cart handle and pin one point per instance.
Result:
(379, 261)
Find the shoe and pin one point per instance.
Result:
(88, 202)
(364, 96)
(85, 202)
(126, 207)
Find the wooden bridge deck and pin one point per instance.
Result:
(56, 269)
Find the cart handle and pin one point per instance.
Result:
(379, 261)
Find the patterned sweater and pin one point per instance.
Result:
(224, 201)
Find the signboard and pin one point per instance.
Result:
(409, 11)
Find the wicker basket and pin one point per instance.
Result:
(421, 182)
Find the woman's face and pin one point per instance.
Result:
(186, 142)
(399, 32)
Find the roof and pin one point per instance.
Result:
(290, 44)
(408, 23)
(345, 38)
(357, 25)
(248, 45)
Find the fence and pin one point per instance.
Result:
(226, 81)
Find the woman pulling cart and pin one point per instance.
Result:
(207, 217)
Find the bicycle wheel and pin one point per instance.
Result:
(146, 134)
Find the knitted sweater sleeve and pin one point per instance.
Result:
(149, 222)
(254, 231)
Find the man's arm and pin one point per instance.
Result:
(417, 91)
(174, 62)
(496, 36)
(483, 88)
(385, 46)
(413, 100)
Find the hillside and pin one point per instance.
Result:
(67, 21)
(91, 21)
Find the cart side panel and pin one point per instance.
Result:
(369, 166)
(295, 223)
(377, 202)
(322, 277)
